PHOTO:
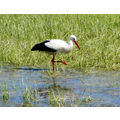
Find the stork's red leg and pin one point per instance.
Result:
(53, 62)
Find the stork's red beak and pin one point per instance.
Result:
(77, 45)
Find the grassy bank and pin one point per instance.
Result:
(98, 37)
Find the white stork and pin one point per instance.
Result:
(55, 46)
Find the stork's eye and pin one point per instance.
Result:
(74, 39)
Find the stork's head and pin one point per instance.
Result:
(74, 39)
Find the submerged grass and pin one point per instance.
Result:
(57, 98)
(97, 35)
(5, 92)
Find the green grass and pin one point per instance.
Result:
(97, 35)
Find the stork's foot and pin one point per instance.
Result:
(63, 62)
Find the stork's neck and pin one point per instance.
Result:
(70, 43)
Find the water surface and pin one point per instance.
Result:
(78, 88)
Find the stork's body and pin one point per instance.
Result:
(55, 46)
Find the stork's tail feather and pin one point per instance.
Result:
(42, 47)
(34, 48)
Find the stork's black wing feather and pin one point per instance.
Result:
(42, 47)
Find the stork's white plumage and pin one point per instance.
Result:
(55, 46)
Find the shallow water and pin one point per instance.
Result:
(78, 88)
